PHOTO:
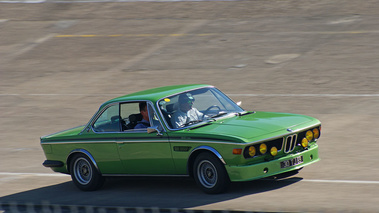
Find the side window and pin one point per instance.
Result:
(138, 116)
(131, 115)
(109, 120)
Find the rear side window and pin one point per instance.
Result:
(125, 117)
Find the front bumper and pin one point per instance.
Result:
(271, 168)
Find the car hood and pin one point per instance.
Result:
(255, 126)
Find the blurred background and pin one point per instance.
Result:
(59, 60)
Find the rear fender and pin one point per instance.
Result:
(81, 151)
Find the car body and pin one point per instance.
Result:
(218, 143)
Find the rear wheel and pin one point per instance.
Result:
(210, 174)
(84, 174)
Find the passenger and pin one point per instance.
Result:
(186, 113)
(145, 122)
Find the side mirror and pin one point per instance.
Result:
(239, 103)
(154, 129)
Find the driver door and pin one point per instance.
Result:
(142, 152)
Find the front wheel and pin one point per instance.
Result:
(210, 174)
(84, 174)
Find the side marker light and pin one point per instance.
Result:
(316, 133)
(237, 151)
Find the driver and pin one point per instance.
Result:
(185, 113)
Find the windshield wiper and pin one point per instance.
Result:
(219, 115)
(245, 113)
(190, 123)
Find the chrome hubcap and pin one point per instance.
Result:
(82, 171)
(207, 174)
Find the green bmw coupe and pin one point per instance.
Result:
(183, 130)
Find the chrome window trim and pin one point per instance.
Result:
(96, 116)
(159, 109)
(99, 113)
(198, 124)
(159, 119)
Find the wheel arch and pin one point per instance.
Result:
(81, 151)
(198, 150)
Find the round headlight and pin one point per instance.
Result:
(263, 148)
(304, 142)
(309, 135)
(252, 151)
(273, 151)
(316, 133)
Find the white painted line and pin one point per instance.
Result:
(56, 94)
(346, 20)
(32, 174)
(277, 59)
(342, 181)
(35, 43)
(26, 1)
(306, 95)
(240, 95)
(326, 181)
(290, 180)
(29, 46)
(164, 42)
(100, 1)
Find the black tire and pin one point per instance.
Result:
(210, 174)
(84, 174)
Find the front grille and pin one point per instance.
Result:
(290, 143)
(286, 143)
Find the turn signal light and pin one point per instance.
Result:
(237, 151)
(316, 133)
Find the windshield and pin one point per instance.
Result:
(188, 108)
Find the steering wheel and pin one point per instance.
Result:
(209, 108)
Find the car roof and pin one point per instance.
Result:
(156, 93)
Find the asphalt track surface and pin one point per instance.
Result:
(59, 61)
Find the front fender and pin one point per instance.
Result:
(196, 151)
(208, 148)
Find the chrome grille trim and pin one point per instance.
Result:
(290, 143)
